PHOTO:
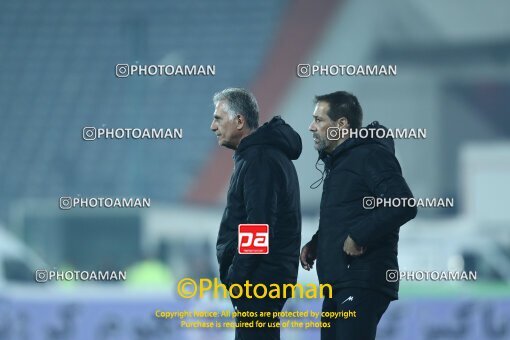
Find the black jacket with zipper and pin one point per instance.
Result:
(263, 189)
(360, 168)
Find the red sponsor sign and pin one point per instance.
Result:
(253, 239)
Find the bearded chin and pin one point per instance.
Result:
(320, 146)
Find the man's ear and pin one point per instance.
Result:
(240, 121)
(343, 123)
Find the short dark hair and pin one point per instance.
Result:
(343, 104)
(240, 101)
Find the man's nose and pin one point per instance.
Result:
(213, 126)
(312, 127)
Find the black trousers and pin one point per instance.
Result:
(258, 305)
(360, 311)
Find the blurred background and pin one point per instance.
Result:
(57, 66)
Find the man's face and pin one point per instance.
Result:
(225, 128)
(320, 124)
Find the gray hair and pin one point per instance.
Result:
(240, 101)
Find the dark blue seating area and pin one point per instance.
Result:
(57, 62)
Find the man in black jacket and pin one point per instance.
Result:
(264, 189)
(355, 246)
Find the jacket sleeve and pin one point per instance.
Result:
(384, 179)
(260, 199)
